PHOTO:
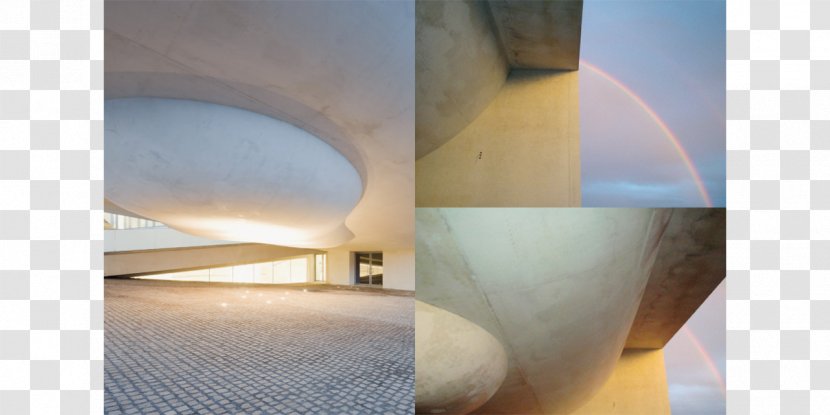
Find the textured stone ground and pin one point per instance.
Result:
(185, 348)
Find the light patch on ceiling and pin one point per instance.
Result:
(225, 173)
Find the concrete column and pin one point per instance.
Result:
(637, 386)
(523, 150)
(399, 270)
(340, 267)
(311, 268)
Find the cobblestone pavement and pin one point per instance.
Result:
(199, 348)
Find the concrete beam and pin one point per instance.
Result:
(539, 34)
(522, 150)
(183, 259)
(690, 264)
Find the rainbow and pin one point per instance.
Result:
(710, 363)
(661, 124)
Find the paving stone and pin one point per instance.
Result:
(174, 347)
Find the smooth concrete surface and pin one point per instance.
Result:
(458, 365)
(690, 265)
(399, 270)
(575, 276)
(460, 68)
(539, 34)
(181, 259)
(142, 239)
(342, 71)
(225, 173)
(111, 207)
(637, 386)
(523, 150)
(340, 267)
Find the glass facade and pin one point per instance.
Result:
(286, 271)
(114, 221)
(369, 268)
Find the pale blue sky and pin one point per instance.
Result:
(693, 387)
(671, 53)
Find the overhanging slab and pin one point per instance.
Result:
(689, 266)
(539, 34)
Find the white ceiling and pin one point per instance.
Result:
(559, 288)
(343, 71)
(225, 173)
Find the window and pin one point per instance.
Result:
(320, 268)
(114, 221)
(369, 268)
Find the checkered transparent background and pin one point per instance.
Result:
(778, 143)
(51, 197)
(51, 166)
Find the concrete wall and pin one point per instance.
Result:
(689, 266)
(523, 150)
(539, 34)
(399, 270)
(340, 267)
(637, 386)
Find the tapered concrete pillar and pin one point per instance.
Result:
(559, 288)
(637, 386)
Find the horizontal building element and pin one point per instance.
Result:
(539, 34)
(690, 265)
(522, 150)
(181, 259)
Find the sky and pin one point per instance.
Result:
(694, 387)
(670, 54)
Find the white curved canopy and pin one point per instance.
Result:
(342, 71)
(226, 173)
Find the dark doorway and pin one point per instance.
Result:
(369, 269)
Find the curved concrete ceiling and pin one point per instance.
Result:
(460, 68)
(559, 288)
(225, 173)
(458, 365)
(342, 71)
(465, 50)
